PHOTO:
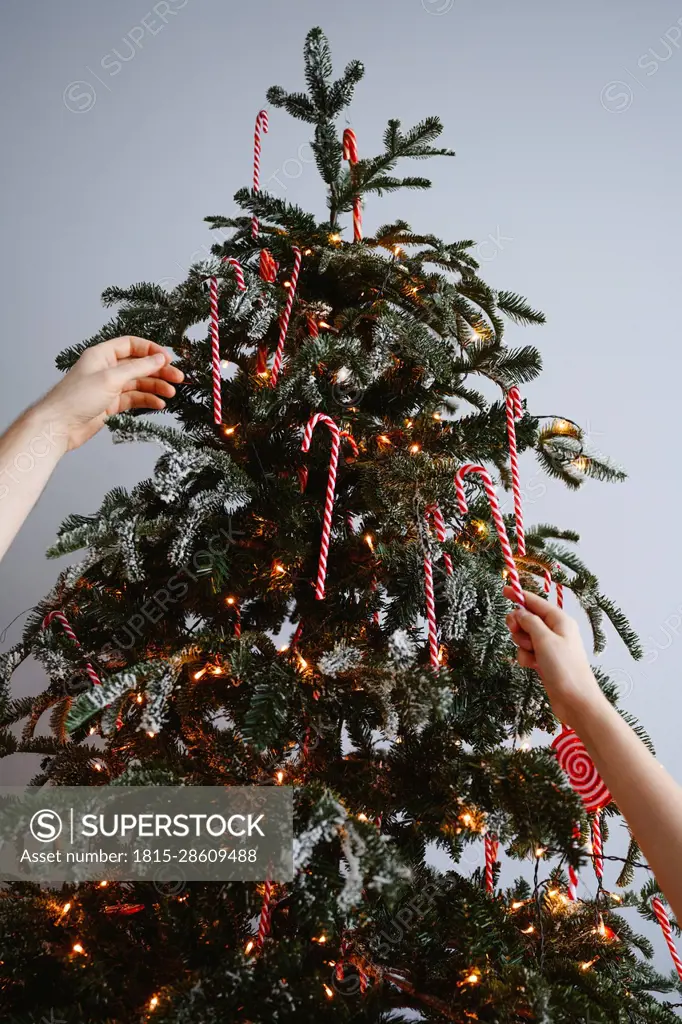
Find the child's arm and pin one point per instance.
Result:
(549, 642)
(116, 375)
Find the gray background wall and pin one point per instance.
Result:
(122, 127)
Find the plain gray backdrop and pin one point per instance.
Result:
(125, 122)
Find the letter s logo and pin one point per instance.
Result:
(46, 826)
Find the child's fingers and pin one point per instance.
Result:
(552, 616)
(527, 660)
(521, 639)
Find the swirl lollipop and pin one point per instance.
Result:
(579, 768)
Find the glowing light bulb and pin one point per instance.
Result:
(516, 905)
(528, 931)
(201, 672)
(229, 431)
(369, 541)
(585, 966)
(66, 908)
(398, 249)
(280, 778)
(540, 852)
(308, 252)
(153, 1002)
(286, 284)
(301, 660)
(384, 438)
(335, 237)
(362, 817)
(328, 992)
(77, 948)
(414, 448)
(472, 979)
(249, 946)
(283, 649)
(151, 735)
(139, 698)
(230, 600)
(279, 569)
(324, 325)
(103, 884)
(436, 416)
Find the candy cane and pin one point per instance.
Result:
(261, 128)
(515, 412)
(572, 873)
(597, 850)
(268, 266)
(664, 921)
(286, 316)
(320, 417)
(215, 336)
(498, 519)
(59, 617)
(215, 353)
(559, 588)
(430, 600)
(439, 524)
(351, 441)
(350, 153)
(491, 849)
(313, 326)
(265, 914)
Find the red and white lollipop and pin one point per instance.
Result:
(580, 769)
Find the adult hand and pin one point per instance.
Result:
(112, 377)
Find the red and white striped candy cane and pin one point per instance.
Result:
(59, 617)
(430, 601)
(313, 326)
(261, 129)
(351, 441)
(664, 921)
(498, 519)
(572, 873)
(215, 336)
(237, 617)
(597, 848)
(215, 353)
(515, 412)
(265, 914)
(350, 153)
(268, 267)
(559, 588)
(320, 417)
(439, 525)
(491, 849)
(286, 316)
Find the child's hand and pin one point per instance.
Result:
(112, 377)
(549, 642)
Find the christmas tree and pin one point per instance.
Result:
(303, 601)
